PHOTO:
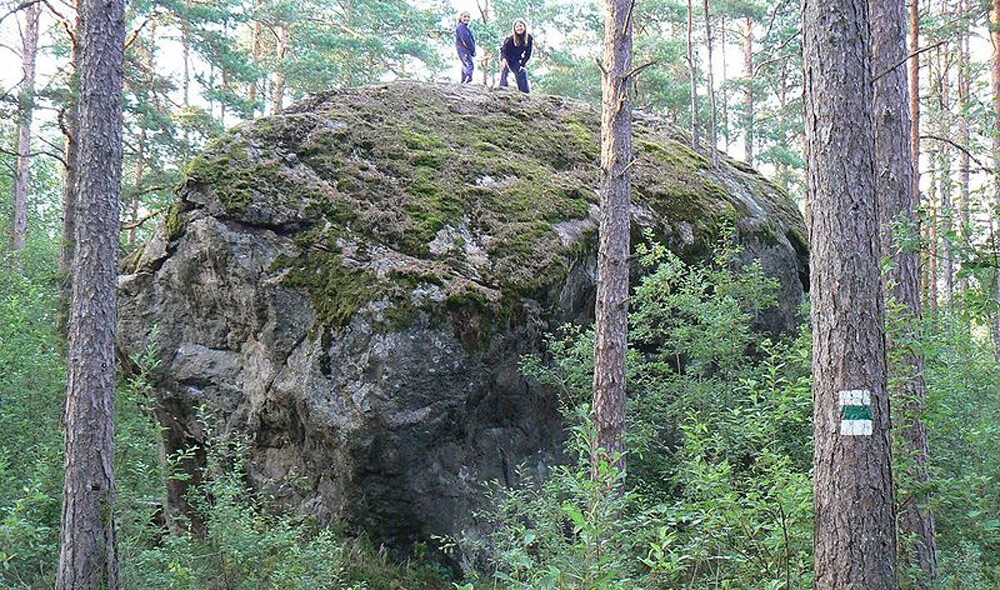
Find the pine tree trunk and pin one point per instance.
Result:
(855, 540)
(611, 311)
(713, 138)
(897, 207)
(258, 33)
(995, 37)
(88, 556)
(945, 166)
(748, 154)
(693, 78)
(722, 86)
(914, 79)
(140, 171)
(279, 77)
(186, 54)
(70, 123)
(964, 88)
(26, 110)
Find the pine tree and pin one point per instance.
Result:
(897, 212)
(855, 540)
(88, 557)
(611, 321)
(26, 109)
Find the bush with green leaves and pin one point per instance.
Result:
(717, 494)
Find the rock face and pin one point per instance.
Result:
(351, 285)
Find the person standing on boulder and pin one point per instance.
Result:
(465, 43)
(516, 52)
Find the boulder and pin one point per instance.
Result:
(350, 286)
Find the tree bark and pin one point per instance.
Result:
(995, 37)
(914, 78)
(713, 147)
(897, 208)
(693, 78)
(26, 110)
(186, 54)
(279, 77)
(855, 540)
(69, 122)
(611, 321)
(934, 158)
(964, 88)
(946, 180)
(88, 557)
(722, 85)
(258, 33)
(748, 93)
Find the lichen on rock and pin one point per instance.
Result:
(353, 282)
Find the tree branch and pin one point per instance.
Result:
(962, 148)
(783, 44)
(600, 66)
(908, 58)
(15, 154)
(18, 8)
(635, 71)
(628, 17)
(135, 33)
(141, 220)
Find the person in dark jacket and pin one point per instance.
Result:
(516, 52)
(465, 43)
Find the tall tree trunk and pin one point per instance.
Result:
(611, 311)
(258, 33)
(930, 231)
(186, 53)
(693, 78)
(713, 138)
(914, 79)
(946, 181)
(69, 121)
(722, 85)
(934, 158)
(26, 110)
(964, 88)
(855, 540)
(748, 93)
(88, 555)
(783, 175)
(279, 77)
(995, 37)
(140, 170)
(898, 207)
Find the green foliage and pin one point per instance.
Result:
(247, 544)
(963, 424)
(720, 494)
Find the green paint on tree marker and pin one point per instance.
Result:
(855, 412)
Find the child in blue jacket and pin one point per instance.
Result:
(465, 43)
(516, 52)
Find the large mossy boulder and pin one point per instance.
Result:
(350, 285)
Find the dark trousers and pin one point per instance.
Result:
(467, 66)
(521, 78)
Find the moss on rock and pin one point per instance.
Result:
(400, 165)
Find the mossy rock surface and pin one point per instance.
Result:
(491, 191)
(352, 286)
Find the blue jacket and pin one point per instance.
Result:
(517, 55)
(464, 41)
